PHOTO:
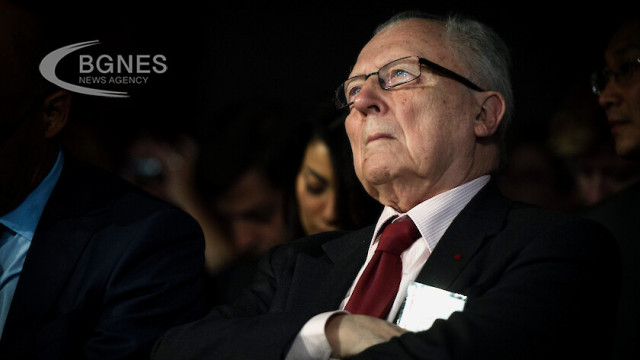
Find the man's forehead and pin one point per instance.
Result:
(626, 38)
(408, 38)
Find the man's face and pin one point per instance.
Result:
(418, 133)
(621, 98)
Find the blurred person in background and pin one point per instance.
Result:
(328, 193)
(579, 136)
(234, 173)
(617, 87)
(165, 165)
(92, 267)
(244, 174)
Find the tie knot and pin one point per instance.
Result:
(398, 236)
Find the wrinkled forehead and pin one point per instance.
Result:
(412, 37)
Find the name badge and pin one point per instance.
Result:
(424, 304)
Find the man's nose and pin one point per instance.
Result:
(371, 97)
(610, 94)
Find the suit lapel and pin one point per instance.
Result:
(481, 218)
(58, 242)
(333, 274)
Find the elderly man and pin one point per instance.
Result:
(90, 266)
(478, 277)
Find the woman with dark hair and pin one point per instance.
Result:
(327, 191)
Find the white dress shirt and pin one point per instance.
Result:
(432, 217)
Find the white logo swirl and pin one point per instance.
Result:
(48, 71)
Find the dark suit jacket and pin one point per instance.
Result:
(110, 268)
(621, 215)
(540, 285)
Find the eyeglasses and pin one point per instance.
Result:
(624, 76)
(395, 73)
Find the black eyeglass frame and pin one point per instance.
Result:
(422, 61)
(600, 79)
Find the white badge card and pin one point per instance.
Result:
(424, 304)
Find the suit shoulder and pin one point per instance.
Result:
(531, 221)
(98, 198)
(539, 216)
(313, 243)
(107, 187)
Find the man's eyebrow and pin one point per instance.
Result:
(626, 47)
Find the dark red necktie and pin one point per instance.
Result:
(378, 285)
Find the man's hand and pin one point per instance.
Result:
(349, 334)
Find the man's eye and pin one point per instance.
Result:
(399, 76)
(627, 69)
(352, 92)
(399, 73)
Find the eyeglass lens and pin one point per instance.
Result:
(624, 76)
(395, 73)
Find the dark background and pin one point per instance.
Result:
(238, 54)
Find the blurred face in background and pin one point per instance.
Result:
(601, 175)
(316, 190)
(252, 214)
(621, 95)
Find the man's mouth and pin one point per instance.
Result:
(378, 136)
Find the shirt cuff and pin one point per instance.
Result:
(311, 342)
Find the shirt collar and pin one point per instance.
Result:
(24, 219)
(433, 216)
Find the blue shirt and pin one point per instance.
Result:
(14, 244)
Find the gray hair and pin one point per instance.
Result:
(480, 49)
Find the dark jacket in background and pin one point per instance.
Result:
(110, 268)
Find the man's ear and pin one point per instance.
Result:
(490, 115)
(56, 112)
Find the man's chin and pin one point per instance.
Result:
(627, 146)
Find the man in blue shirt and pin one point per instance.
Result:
(91, 266)
(20, 225)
